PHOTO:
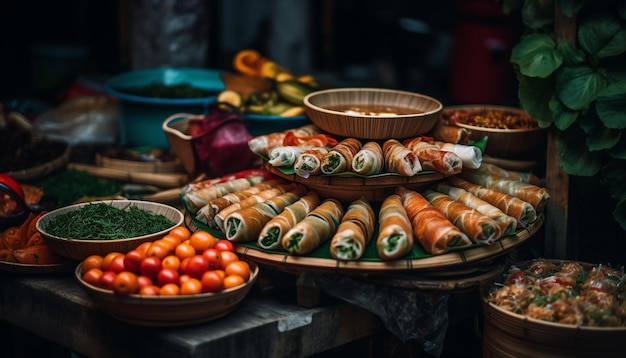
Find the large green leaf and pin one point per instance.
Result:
(538, 13)
(563, 116)
(578, 86)
(536, 55)
(575, 158)
(619, 150)
(602, 137)
(602, 35)
(611, 105)
(534, 94)
(570, 7)
(572, 55)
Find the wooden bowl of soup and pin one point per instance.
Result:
(372, 113)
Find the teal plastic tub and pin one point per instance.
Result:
(141, 117)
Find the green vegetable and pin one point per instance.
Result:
(100, 221)
(69, 185)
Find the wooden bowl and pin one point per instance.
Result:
(366, 112)
(80, 249)
(524, 143)
(157, 311)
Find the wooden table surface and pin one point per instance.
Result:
(267, 323)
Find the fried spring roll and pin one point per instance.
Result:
(285, 156)
(451, 134)
(263, 144)
(315, 228)
(339, 158)
(399, 159)
(354, 232)
(431, 228)
(470, 155)
(199, 198)
(395, 234)
(310, 162)
(433, 158)
(369, 160)
(274, 230)
(529, 178)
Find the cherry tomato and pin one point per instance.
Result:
(173, 240)
(167, 275)
(212, 281)
(151, 290)
(93, 261)
(170, 289)
(143, 281)
(106, 280)
(228, 257)
(171, 261)
(132, 260)
(158, 249)
(231, 281)
(92, 276)
(143, 247)
(125, 283)
(202, 240)
(183, 279)
(108, 258)
(225, 245)
(196, 266)
(181, 232)
(240, 268)
(184, 250)
(117, 264)
(150, 266)
(191, 287)
(214, 257)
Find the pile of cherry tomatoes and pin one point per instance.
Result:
(180, 263)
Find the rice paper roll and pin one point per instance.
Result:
(523, 212)
(249, 201)
(207, 212)
(537, 196)
(433, 158)
(525, 177)
(445, 132)
(285, 156)
(471, 156)
(263, 144)
(478, 227)
(272, 233)
(339, 158)
(354, 232)
(395, 234)
(507, 223)
(245, 225)
(369, 160)
(316, 228)
(199, 198)
(310, 162)
(431, 228)
(399, 159)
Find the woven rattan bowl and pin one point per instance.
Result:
(372, 113)
(513, 143)
(80, 249)
(157, 311)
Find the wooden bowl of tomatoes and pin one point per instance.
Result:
(181, 279)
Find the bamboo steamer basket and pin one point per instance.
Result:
(507, 334)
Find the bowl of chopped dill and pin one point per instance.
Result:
(99, 227)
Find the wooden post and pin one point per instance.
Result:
(560, 240)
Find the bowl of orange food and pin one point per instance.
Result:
(511, 132)
(372, 113)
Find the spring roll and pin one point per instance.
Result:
(260, 197)
(272, 233)
(433, 158)
(524, 177)
(354, 232)
(399, 159)
(339, 158)
(245, 225)
(445, 132)
(537, 196)
(431, 228)
(507, 223)
(201, 197)
(478, 227)
(315, 228)
(285, 156)
(369, 160)
(207, 212)
(263, 144)
(522, 211)
(395, 234)
(470, 155)
(310, 162)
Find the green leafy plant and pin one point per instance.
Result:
(578, 88)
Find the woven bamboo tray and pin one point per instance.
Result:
(44, 169)
(168, 167)
(348, 188)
